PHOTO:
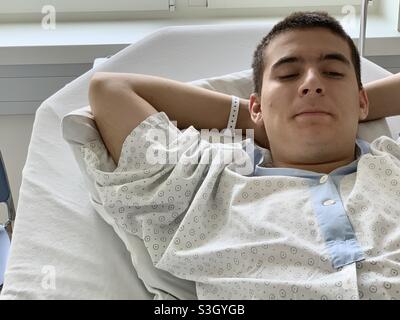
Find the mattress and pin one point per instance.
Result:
(61, 248)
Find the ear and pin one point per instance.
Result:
(364, 105)
(255, 108)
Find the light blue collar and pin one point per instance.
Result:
(261, 155)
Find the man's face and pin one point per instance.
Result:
(310, 101)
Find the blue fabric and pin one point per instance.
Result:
(4, 248)
(4, 186)
(334, 224)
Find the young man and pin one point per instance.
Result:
(317, 217)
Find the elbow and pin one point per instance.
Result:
(103, 88)
(107, 87)
(98, 80)
(97, 88)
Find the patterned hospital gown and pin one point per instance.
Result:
(241, 230)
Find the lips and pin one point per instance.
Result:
(312, 112)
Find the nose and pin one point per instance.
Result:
(312, 85)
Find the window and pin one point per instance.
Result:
(32, 6)
(35, 6)
(217, 4)
(74, 10)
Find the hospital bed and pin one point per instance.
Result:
(61, 247)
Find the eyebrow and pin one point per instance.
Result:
(294, 59)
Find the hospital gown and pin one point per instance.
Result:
(217, 214)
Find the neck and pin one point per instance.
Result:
(325, 167)
(315, 166)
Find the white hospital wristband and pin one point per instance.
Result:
(234, 113)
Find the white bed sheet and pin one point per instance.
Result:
(61, 248)
(58, 235)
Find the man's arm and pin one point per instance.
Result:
(121, 101)
(384, 97)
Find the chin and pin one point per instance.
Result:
(317, 136)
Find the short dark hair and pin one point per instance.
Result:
(302, 20)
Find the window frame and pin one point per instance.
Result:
(21, 11)
(62, 6)
(220, 4)
(73, 6)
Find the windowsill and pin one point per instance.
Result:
(82, 42)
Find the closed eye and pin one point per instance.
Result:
(289, 76)
(334, 74)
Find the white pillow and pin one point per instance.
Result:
(79, 128)
(238, 84)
